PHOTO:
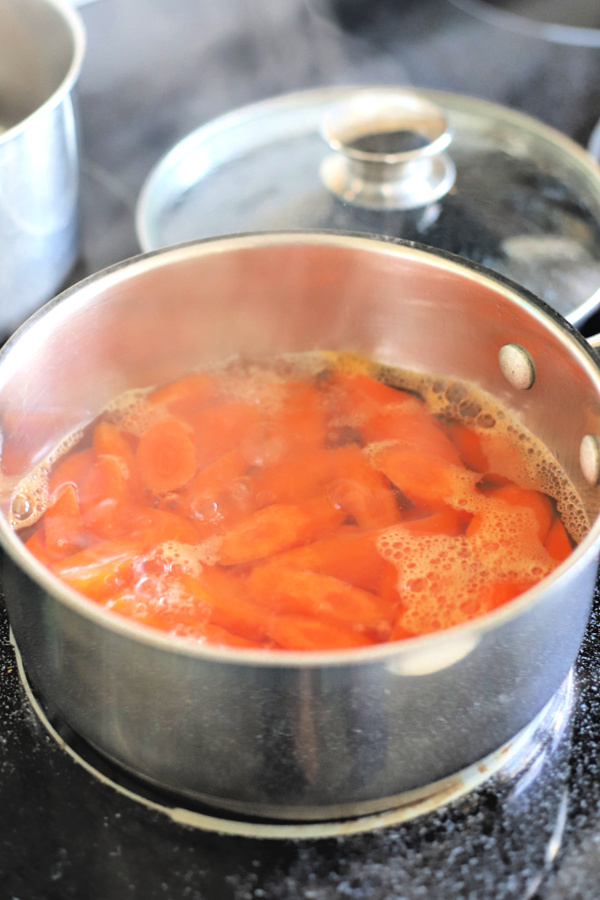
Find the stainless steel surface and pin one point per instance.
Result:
(290, 734)
(41, 51)
(526, 201)
(524, 752)
(389, 150)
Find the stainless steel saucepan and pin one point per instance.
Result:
(279, 733)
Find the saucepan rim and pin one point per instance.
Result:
(468, 632)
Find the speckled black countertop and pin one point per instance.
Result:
(154, 71)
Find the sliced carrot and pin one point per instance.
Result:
(223, 428)
(399, 630)
(302, 416)
(106, 482)
(344, 473)
(296, 592)
(298, 422)
(219, 636)
(447, 521)
(504, 454)
(468, 444)
(180, 618)
(157, 526)
(63, 524)
(492, 595)
(108, 440)
(276, 528)
(387, 588)
(213, 481)
(100, 569)
(73, 469)
(366, 496)
(226, 602)
(166, 456)
(360, 393)
(36, 545)
(346, 553)
(188, 395)
(411, 422)
(151, 609)
(298, 476)
(303, 633)
(104, 497)
(425, 479)
(558, 543)
(539, 503)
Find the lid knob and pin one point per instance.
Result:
(389, 150)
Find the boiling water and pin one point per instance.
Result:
(446, 573)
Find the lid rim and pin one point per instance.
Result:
(170, 178)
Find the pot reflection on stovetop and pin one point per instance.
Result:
(516, 836)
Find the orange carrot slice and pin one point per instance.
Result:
(367, 496)
(298, 476)
(447, 521)
(346, 553)
(188, 395)
(213, 481)
(36, 545)
(222, 428)
(226, 603)
(413, 423)
(359, 394)
(302, 417)
(517, 496)
(297, 592)
(493, 595)
(99, 570)
(426, 480)
(108, 440)
(63, 524)
(557, 541)
(303, 633)
(157, 526)
(106, 483)
(221, 637)
(344, 473)
(104, 496)
(468, 444)
(73, 469)
(276, 528)
(166, 456)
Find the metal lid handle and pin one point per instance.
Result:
(389, 150)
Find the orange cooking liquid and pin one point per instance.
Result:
(307, 504)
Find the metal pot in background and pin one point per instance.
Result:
(284, 734)
(41, 52)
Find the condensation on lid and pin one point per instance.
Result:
(452, 172)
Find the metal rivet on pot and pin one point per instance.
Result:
(589, 458)
(517, 366)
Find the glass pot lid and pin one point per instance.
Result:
(445, 170)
